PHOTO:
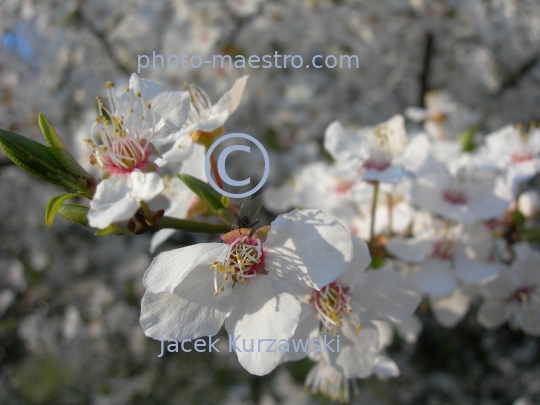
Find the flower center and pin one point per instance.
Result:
(331, 303)
(123, 155)
(119, 144)
(380, 155)
(519, 157)
(454, 195)
(523, 310)
(243, 259)
(443, 249)
(200, 106)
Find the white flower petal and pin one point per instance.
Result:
(146, 185)
(172, 107)
(355, 360)
(181, 149)
(307, 329)
(474, 272)
(410, 250)
(168, 269)
(113, 201)
(263, 309)
(436, 278)
(385, 295)
(190, 312)
(492, 314)
(307, 247)
(450, 310)
(385, 367)
(393, 174)
(340, 142)
(231, 99)
(360, 262)
(409, 329)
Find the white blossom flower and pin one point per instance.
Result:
(348, 307)
(381, 151)
(446, 254)
(189, 291)
(443, 118)
(203, 117)
(468, 196)
(121, 145)
(515, 150)
(515, 294)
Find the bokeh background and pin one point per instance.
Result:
(70, 301)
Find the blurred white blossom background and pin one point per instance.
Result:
(70, 302)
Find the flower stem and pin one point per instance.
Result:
(374, 210)
(213, 163)
(189, 226)
(390, 204)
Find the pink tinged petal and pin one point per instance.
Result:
(231, 99)
(360, 262)
(113, 201)
(393, 174)
(436, 278)
(308, 248)
(492, 314)
(307, 329)
(168, 269)
(190, 312)
(450, 310)
(474, 272)
(357, 357)
(410, 250)
(263, 309)
(386, 296)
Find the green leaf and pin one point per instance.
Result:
(204, 191)
(518, 218)
(54, 205)
(466, 139)
(33, 157)
(59, 149)
(531, 235)
(74, 213)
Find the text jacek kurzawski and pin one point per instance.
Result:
(238, 344)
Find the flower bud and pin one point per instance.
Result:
(529, 203)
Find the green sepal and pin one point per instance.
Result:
(204, 191)
(74, 213)
(376, 262)
(225, 201)
(466, 140)
(33, 157)
(59, 149)
(54, 205)
(114, 229)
